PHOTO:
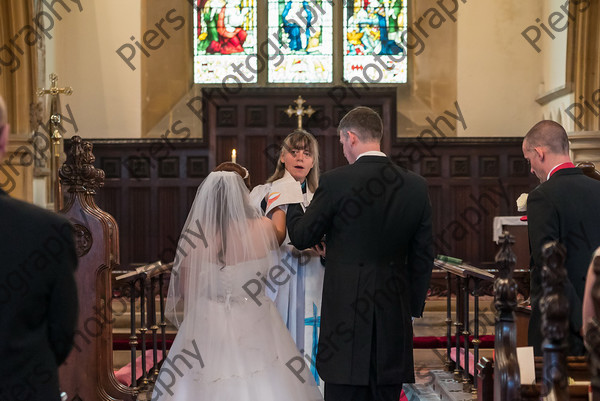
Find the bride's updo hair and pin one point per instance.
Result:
(236, 168)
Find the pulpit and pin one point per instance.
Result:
(88, 372)
(518, 229)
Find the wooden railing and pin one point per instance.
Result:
(507, 379)
(465, 275)
(500, 379)
(144, 284)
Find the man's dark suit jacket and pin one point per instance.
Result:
(566, 208)
(38, 299)
(377, 221)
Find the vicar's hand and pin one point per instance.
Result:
(320, 249)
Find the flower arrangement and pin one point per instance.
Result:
(522, 203)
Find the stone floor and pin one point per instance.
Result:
(437, 385)
(433, 383)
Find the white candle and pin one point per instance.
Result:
(233, 156)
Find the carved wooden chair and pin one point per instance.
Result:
(589, 169)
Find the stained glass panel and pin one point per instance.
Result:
(225, 41)
(373, 50)
(300, 41)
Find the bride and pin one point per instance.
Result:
(231, 343)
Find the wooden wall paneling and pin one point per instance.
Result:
(139, 204)
(492, 168)
(140, 230)
(190, 196)
(175, 169)
(110, 196)
(273, 103)
(168, 219)
(491, 200)
(436, 194)
(454, 231)
(224, 146)
(257, 163)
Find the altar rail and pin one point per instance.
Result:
(464, 275)
(500, 379)
(145, 283)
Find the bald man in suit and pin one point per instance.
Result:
(38, 296)
(563, 208)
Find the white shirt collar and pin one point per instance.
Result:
(371, 153)
(554, 168)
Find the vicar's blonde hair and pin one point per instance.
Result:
(299, 139)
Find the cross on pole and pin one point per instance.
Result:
(55, 118)
(300, 111)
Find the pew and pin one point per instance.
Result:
(500, 379)
(589, 169)
(88, 373)
(592, 336)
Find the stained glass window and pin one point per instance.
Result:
(300, 41)
(225, 41)
(373, 50)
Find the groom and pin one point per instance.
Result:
(376, 218)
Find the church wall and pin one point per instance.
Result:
(498, 71)
(557, 78)
(480, 63)
(106, 99)
(432, 70)
(167, 73)
(553, 50)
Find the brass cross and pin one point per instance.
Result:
(300, 111)
(54, 90)
(55, 111)
(55, 117)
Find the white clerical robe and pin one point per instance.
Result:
(299, 298)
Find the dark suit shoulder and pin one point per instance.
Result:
(24, 224)
(565, 181)
(21, 210)
(381, 169)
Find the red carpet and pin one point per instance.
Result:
(121, 343)
(428, 342)
(123, 375)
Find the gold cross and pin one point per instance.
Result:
(55, 117)
(300, 111)
(55, 112)
(54, 90)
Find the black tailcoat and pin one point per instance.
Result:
(38, 299)
(566, 209)
(377, 220)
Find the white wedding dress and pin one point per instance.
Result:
(232, 344)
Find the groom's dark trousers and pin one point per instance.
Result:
(372, 392)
